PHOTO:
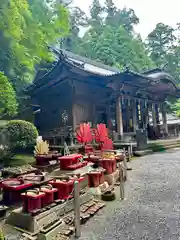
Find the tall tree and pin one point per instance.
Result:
(77, 19)
(27, 28)
(116, 47)
(111, 11)
(120, 17)
(8, 103)
(160, 42)
(127, 18)
(96, 18)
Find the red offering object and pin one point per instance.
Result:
(94, 159)
(101, 133)
(66, 161)
(109, 165)
(95, 178)
(49, 195)
(88, 149)
(101, 136)
(12, 189)
(64, 188)
(84, 134)
(107, 144)
(77, 166)
(43, 160)
(32, 200)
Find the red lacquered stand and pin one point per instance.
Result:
(95, 178)
(12, 189)
(109, 165)
(77, 166)
(64, 188)
(32, 201)
(43, 160)
(88, 149)
(94, 158)
(66, 161)
(49, 195)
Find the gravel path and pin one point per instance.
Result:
(151, 210)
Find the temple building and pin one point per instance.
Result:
(75, 89)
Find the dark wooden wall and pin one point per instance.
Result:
(82, 102)
(53, 102)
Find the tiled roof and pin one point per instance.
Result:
(87, 67)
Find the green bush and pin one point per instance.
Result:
(20, 134)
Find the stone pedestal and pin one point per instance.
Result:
(51, 215)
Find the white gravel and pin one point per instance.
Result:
(151, 210)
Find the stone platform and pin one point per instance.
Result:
(32, 224)
(46, 225)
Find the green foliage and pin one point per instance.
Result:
(175, 107)
(110, 38)
(27, 29)
(20, 134)
(116, 47)
(164, 47)
(5, 154)
(77, 19)
(160, 42)
(96, 19)
(8, 104)
(2, 237)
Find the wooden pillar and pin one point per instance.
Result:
(147, 113)
(108, 115)
(164, 118)
(119, 120)
(74, 122)
(134, 116)
(138, 112)
(154, 119)
(157, 113)
(129, 115)
(142, 114)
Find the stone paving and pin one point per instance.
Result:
(151, 210)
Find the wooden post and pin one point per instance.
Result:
(164, 118)
(121, 180)
(77, 210)
(119, 120)
(108, 115)
(147, 114)
(134, 115)
(73, 109)
(157, 113)
(154, 114)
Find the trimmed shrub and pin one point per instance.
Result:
(20, 134)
